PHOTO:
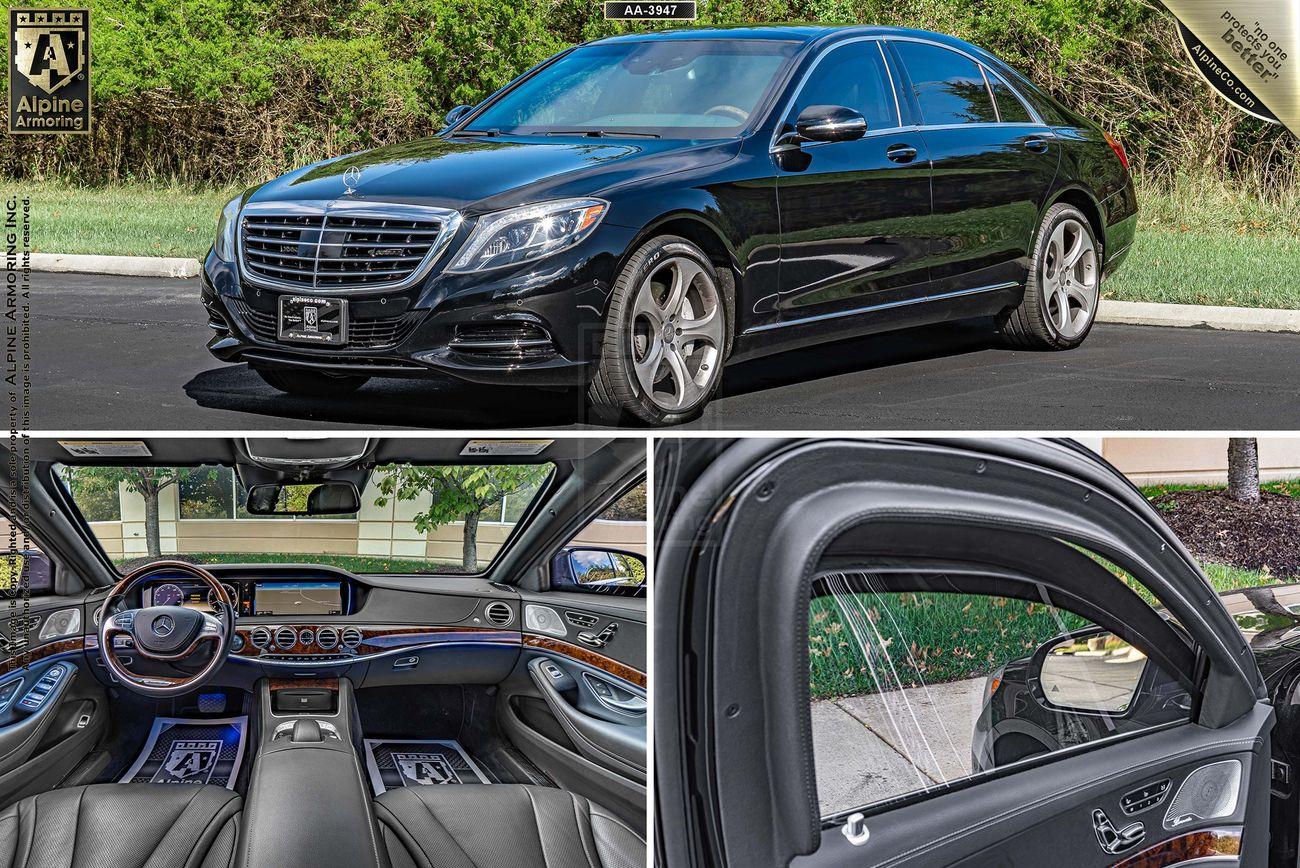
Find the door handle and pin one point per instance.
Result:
(901, 153)
(601, 639)
(1038, 146)
(1112, 841)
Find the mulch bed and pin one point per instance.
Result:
(1250, 536)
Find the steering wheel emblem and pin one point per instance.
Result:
(163, 625)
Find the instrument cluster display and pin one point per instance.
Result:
(270, 598)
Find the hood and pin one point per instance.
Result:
(481, 174)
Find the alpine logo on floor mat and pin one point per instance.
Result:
(419, 764)
(191, 751)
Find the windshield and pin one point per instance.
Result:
(413, 518)
(678, 88)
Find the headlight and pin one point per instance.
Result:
(224, 244)
(528, 233)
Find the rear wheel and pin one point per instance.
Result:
(1064, 288)
(311, 384)
(665, 337)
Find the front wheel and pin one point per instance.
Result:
(1064, 287)
(665, 337)
(311, 384)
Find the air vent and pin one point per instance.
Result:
(306, 636)
(285, 638)
(352, 637)
(499, 614)
(261, 638)
(327, 638)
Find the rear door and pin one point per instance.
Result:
(992, 163)
(962, 662)
(577, 704)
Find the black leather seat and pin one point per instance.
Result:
(503, 826)
(121, 826)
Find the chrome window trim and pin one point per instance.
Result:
(449, 224)
(997, 112)
(773, 148)
(1034, 115)
(1024, 103)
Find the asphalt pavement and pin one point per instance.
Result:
(126, 353)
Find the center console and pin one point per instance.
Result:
(308, 802)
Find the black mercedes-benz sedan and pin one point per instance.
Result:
(637, 212)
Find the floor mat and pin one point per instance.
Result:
(414, 763)
(191, 751)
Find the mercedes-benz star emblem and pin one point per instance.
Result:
(351, 178)
(164, 625)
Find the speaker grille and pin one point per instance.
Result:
(1206, 794)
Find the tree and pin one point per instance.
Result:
(1243, 469)
(148, 482)
(459, 492)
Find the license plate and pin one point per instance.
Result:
(308, 319)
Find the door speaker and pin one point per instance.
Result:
(1207, 793)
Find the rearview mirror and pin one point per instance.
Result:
(317, 498)
(607, 571)
(1093, 671)
(456, 114)
(830, 123)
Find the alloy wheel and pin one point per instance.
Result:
(677, 334)
(1070, 280)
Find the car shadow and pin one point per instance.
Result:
(858, 355)
(450, 403)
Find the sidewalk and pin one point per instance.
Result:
(862, 757)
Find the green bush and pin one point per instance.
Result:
(235, 91)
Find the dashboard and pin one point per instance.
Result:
(277, 598)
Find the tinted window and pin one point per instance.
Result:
(913, 690)
(853, 76)
(1010, 109)
(949, 86)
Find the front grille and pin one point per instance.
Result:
(366, 333)
(505, 340)
(336, 250)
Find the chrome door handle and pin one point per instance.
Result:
(901, 153)
(598, 640)
(1038, 146)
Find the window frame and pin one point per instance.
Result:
(1036, 120)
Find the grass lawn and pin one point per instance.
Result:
(134, 221)
(353, 563)
(1199, 267)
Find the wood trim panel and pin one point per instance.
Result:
(40, 652)
(1201, 844)
(330, 684)
(375, 640)
(585, 655)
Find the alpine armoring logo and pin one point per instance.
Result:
(49, 70)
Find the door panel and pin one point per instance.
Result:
(854, 214)
(1042, 814)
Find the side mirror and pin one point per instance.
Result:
(318, 498)
(606, 571)
(1091, 671)
(456, 114)
(30, 568)
(830, 123)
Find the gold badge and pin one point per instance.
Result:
(49, 70)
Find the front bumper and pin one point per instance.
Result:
(540, 325)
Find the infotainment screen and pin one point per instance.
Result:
(298, 598)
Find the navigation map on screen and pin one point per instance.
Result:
(299, 598)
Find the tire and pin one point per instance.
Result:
(1037, 323)
(640, 336)
(311, 384)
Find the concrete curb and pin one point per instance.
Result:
(129, 266)
(1241, 319)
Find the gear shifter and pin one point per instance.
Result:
(306, 731)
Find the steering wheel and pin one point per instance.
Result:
(166, 633)
(738, 113)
